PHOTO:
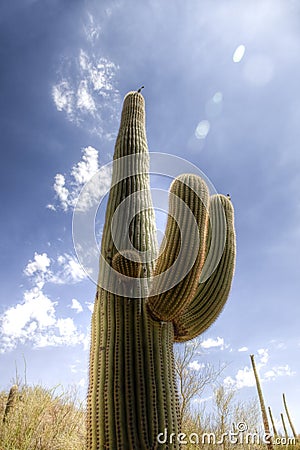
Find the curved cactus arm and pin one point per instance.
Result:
(211, 294)
(181, 259)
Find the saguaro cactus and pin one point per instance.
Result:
(272, 422)
(289, 417)
(286, 435)
(11, 400)
(262, 405)
(145, 301)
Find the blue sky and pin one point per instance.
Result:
(235, 114)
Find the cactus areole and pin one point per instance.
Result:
(146, 300)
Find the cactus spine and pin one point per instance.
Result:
(262, 405)
(132, 395)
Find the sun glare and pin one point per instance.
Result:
(238, 53)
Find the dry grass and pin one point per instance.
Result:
(42, 419)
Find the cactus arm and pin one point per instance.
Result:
(212, 294)
(184, 241)
(262, 404)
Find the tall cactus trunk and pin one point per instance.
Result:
(284, 427)
(132, 394)
(272, 422)
(262, 405)
(289, 417)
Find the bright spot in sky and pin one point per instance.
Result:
(218, 97)
(214, 105)
(239, 53)
(202, 129)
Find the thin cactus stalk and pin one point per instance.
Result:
(262, 405)
(272, 422)
(11, 400)
(141, 299)
(289, 417)
(284, 426)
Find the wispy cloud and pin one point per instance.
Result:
(64, 269)
(69, 271)
(86, 173)
(92, 29)
(86, 89)
(279, 371)
(263, 356)
(245, 377)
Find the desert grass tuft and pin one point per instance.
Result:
(42, 419)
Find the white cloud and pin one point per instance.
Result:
(263, 355)
(86, 90)
(84, 98)
(279, 371)
(195, 365)
(63, 97)
(36, 311)
(65, 269)
(92, 29)
(34, 320)
(87, 167)
(90, 306)
(85, 185)
(243, 378)
(243, 349)
(71, 271)
(209, 343)
(93, 192)
(76, 305)
(61, 191)
(66, 326)
(40, 263)
(52, 339)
